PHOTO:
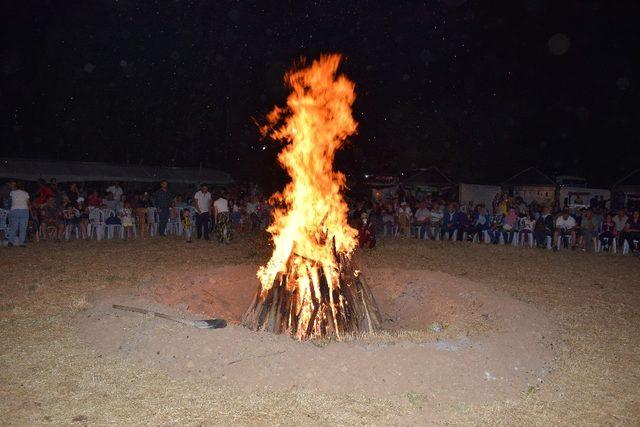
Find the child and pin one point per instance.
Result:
(607, 232)
(526, 227)
(185, 217)
(367, 234)
(126, 215)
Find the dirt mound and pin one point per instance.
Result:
(444, 338)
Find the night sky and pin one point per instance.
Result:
(481, 89)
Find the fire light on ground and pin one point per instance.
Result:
(309, 287)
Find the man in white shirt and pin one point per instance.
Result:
(202, 203)
(565, 226)
(18, 215)
(116, 190)
(252, 210)
(421, 218)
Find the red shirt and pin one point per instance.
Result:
(94, 200)
(45, 191)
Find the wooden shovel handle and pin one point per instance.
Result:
(143, 311)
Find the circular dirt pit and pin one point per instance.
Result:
(443, 338)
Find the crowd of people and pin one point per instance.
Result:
(508, 220)
(55, 212)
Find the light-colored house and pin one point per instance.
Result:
(531, 185)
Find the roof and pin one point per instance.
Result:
(530, 176)
(630, 180)
(427, 177)
(67, 171)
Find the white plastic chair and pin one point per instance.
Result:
(613, 245)
(454, 237)
(69, 228)
(111, 228)
(174, 225)
(564, 241)
(435, 231)
(523, 241)
(153, 218)
(96, 224)
(626, 248)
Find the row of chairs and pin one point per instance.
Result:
(100, 227)
(518, 239)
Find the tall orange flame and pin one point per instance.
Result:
(311, 220)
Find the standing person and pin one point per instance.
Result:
(589, 227)
(5, 197)
(162, 201)
(53, 184)
(116, 190)
(367, 232)
(223, 219)
(252, 211)
(73, 194)
(202, 203)
(139, 207)
(18, 215)
(44, 191)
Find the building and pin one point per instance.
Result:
(531, 185)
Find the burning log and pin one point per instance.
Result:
(338, 304)
(309, 287)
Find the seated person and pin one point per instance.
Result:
(565, 226)
(450, 221)
(544, 227)
(51, 217)
(495, 228)
(527, 224)
(435, 220)
(481, 223)
(632, 232)
(71, 216)
(607, 232)
(421, 218)
(621, 224)
(388, 219)
(510, 225)
(463, 224)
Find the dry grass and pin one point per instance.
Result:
(48, 376)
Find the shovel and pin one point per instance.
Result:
(200, 324)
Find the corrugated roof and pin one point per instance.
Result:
(530, 176)
(67, 171)
(427, 176)
(630, 180)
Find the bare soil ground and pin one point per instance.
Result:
(472, 334)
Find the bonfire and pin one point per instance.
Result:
(310, 287)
